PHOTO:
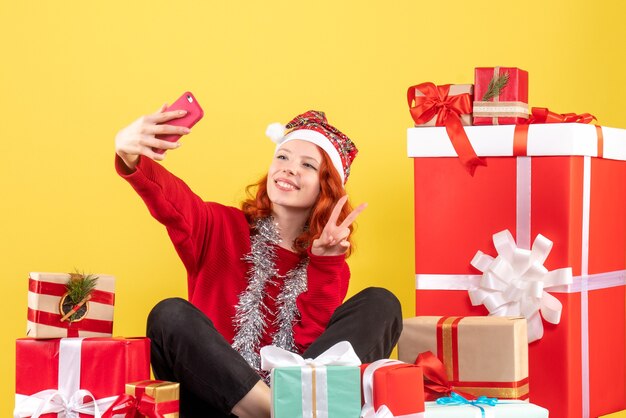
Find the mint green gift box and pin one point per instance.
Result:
(316, 392)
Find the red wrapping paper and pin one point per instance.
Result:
(456, 215)
(507, 108)
(107, 364)
(398, 386)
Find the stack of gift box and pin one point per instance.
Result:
(520, 262)
(521, 212)
(69, 365)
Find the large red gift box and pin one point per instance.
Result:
(556, 186)
(392, 386)
(508, 107)
(70, 372)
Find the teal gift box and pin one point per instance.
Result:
(310, 391)
(327, 386)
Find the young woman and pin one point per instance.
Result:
(272, 272)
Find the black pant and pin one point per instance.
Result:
(187, 348)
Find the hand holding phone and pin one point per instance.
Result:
(186, 102)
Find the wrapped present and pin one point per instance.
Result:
(155, 398)
(424, 105)
(428, 102)
(328, 385)
(53, 314)
(458, 407)
(500, 96)
(481, 355)
(563, 181)
(78, 377)
(392, 388)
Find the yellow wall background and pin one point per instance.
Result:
(72, 73)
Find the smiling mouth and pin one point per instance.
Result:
(283, 185)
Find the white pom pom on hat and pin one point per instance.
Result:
(275, 131)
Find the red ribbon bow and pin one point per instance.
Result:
(141, 406)
(436, 383)
(436, 101)
(545, 115)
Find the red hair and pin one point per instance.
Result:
(258, 205)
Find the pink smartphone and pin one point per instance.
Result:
(194, 113)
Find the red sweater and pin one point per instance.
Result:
(211, 240)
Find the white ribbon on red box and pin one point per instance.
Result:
(383, 411)
(67, 401)
(583, 283)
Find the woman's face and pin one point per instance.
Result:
(293, 178)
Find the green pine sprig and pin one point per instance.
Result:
(79, 286)
(496, 85)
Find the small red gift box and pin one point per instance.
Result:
(394, 385)
(506, 106)
(67, 375)
(49, 309)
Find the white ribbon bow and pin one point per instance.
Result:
(383, 412)
(340, 354)
(515, 282)
(54, 401)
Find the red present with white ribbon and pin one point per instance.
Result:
(565, 182)
(76, 377)
(48, 319)
(392, 389)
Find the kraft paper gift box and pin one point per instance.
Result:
(71, 372)
(482, 355)
(504, 409)
(452, 90)
(394, 386)
(47, 306)
(507, 108)
(329, 385)
(567, 184)
(155, 398)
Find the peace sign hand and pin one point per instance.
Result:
(334, 238)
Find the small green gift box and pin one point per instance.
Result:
(328, 386)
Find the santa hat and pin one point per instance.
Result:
(312, 126)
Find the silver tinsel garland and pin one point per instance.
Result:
(250, 313)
